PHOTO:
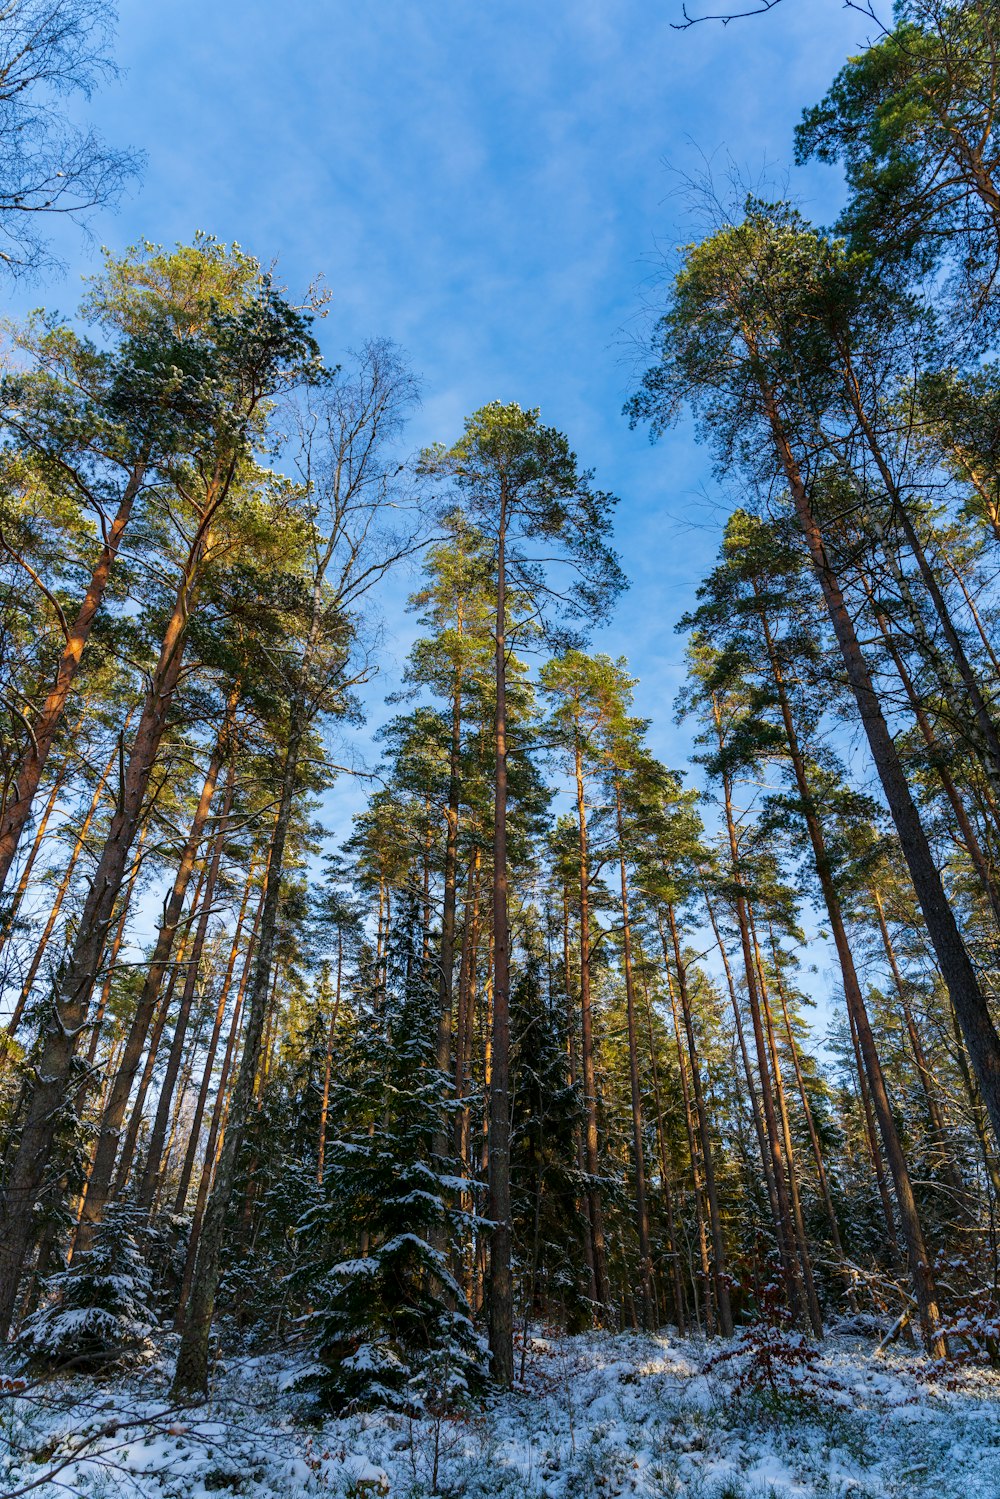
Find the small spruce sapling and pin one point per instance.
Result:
(97, 1315)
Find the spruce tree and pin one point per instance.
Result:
(391, 1323)
(98, 1313)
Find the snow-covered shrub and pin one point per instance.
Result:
(860, 1325)
(96, 1315)
(973, 1330)
(776, 1362)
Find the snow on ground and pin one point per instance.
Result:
(597, 1416)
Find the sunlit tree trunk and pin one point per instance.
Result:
(216, 1130)
(24, 880)
(45, 726)
(79, 843)
(67, 1011)
(501, 1295)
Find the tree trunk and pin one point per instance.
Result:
(978, 1028)
(155, 1155)
(99, 1185)
(25, 878)
(501, 1294)
(699, 1204)
(665, 1184)
(449, 913)
(216, 1130)
(966, 830)
(989, 740)
(67, 1012)
(466, 1010)
(126, 1159)
(43, 942)
(191, 1377)
(191, 1152)
(45, 726)
(812, 1302)
(595, 1209)
(920, 1270)
(767, 1163)
(720, 1274)
(112, 959)
(783, 1225)
(638, 1148)
(324, 1108)
(817, 1150)
(931, 1099)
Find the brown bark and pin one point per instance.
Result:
(67, 1012)
(934, 1113)
(968, 835)
(720, 1274)
(130, 1142)
(46, 724)
(872, 1138)
(988, 739)
(99, 1185)
(466, 1009)
(112, 959)
(783, 1225)
(665, 1183)
(814, 1140)
(24, 880)
(156, 1155)
(767, 1164)
(192, 1359)
(216, 1129)
(79, 844)
(595, 1209)
(802, 1243)
(194, 1132)
(978, 1029)
(501, 1296)
(449, 911)
(919, 1261)
(180, 1094)
(638, 1148)
(328, 1062)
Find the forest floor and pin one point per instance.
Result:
(596, 1416)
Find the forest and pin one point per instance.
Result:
(550, 1041)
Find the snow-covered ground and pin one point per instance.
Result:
(600, 1415)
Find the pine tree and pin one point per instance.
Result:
(523, 486)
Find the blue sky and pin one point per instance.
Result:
(489, 186)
